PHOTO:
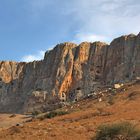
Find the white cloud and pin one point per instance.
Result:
(106, 19)
(31, 57)
(94, 19)
(50, 48)
(80, 37)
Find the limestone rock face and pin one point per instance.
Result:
(68, 72)
(10, 71)
(123, 59)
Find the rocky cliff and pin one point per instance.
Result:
(68, 72)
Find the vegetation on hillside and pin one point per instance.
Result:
(118, 131)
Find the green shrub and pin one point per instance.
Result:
(110, 100)
(110, 132)
(52, 114)
(36, 112)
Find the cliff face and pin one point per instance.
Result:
(68, 72)
(123, 58)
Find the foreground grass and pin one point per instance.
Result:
(118, 131)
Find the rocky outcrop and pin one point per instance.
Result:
(68, 72)
(10, 71)
(123, 59)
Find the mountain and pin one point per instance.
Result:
(69, 72)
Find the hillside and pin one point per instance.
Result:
(84, 116)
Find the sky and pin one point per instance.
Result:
(28, 28)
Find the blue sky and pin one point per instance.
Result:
(30, 27)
